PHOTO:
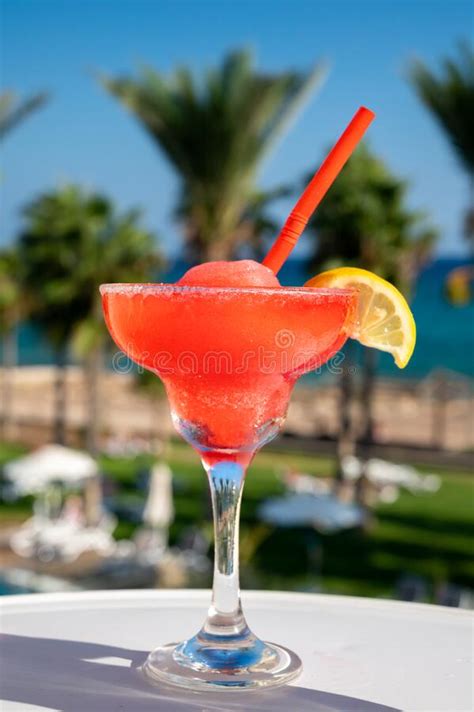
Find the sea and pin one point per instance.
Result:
(445, 338)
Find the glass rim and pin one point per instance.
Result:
(163, 287)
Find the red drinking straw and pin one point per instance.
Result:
(317, 189)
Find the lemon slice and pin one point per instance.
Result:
(384, 319)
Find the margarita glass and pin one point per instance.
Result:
(229, 358)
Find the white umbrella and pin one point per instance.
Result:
(159, 510)
(323, 512)
(50, 463)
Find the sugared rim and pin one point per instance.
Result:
(156, 288)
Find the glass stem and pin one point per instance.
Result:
(226, 481)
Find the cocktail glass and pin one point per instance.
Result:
(229, 359)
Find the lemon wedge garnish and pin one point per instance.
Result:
(384, 320)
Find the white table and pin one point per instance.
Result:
(77, 652)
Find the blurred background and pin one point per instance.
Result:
(127, 130)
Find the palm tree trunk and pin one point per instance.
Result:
(93, 501)
(367, 395)
(439, 418)
(59, 427)
(366, 437)
(345, 438)
(6, 391)
(220, 248)
(93, 372)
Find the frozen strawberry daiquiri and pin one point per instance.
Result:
(229, 356)
(229, 344)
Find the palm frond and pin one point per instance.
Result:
(13, 111)
(72, 242)
(215, 129)
(364, 221)
(449, 95)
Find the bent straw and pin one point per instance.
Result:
(317, 189)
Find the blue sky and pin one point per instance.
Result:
(84, 136)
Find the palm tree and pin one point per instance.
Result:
(11, 304)
(71, 243)
(215, 131)
(364, 222)
(121, 252)
(13, 110)
(449, 95)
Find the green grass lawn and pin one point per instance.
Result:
(431, 534)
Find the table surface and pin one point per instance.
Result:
(78, 652)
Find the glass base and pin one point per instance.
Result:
(205, 663)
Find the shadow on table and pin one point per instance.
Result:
(73, 676)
